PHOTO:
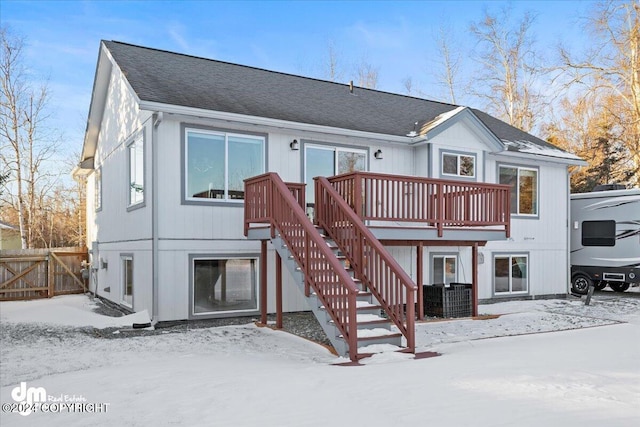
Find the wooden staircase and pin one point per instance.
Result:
(374, 332)
(360, 307)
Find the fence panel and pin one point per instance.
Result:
(41, 273)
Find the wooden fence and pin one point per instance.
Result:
(41, 273)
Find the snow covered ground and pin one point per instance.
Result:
(548, 362)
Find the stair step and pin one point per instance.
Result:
(370, 350)
(368, 319)
(376, 333)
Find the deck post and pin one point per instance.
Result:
(474, 273)
(263, 282)
(278, 291)
(420, 280)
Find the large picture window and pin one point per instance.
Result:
(136, 170)
(462, 165)
(510, 274)
(524, 188)
(218, 163)
(223, 285)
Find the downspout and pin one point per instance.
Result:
(157, 119)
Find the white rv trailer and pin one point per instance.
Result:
(605, 240)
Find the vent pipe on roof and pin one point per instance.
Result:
(351, 86)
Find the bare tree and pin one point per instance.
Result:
(366, 74)
(447, 74)
(332, 68)
(407, 83)
(508, 71)
(612, 67)
(25, 146)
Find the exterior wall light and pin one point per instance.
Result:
(378, 154)
(294, 145)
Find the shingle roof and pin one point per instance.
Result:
(177, 79)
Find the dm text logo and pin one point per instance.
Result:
(30, 396)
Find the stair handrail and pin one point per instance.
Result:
(370, 260)
(267, 199)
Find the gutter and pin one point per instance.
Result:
(540, 158)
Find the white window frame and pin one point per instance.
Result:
(124, 258)
(510, 257)
(225, 135)
(136, 148)
(192, 284)
(444, 263)
(517, 189)
(458, 156)
(337, 149)
(97, 188)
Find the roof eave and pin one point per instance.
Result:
(542, 157)
(268, 122)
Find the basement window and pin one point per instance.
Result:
(444, 269)
(510, 274)
(224, 285)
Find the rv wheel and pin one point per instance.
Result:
(580, 284)
(600, 285)
(619, 287)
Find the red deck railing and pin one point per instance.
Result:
(433, 202)
(269, 200)
(372, 264)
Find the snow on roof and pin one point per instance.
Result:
(440, 119)
(531, 148)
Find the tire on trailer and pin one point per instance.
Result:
(600, 285)
(580, 284)
(619, 286)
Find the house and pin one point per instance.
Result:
(9, 236)
(171, 138)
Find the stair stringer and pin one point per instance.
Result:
(315, 306)
(325, 321)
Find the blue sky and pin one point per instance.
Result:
(62, 38)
